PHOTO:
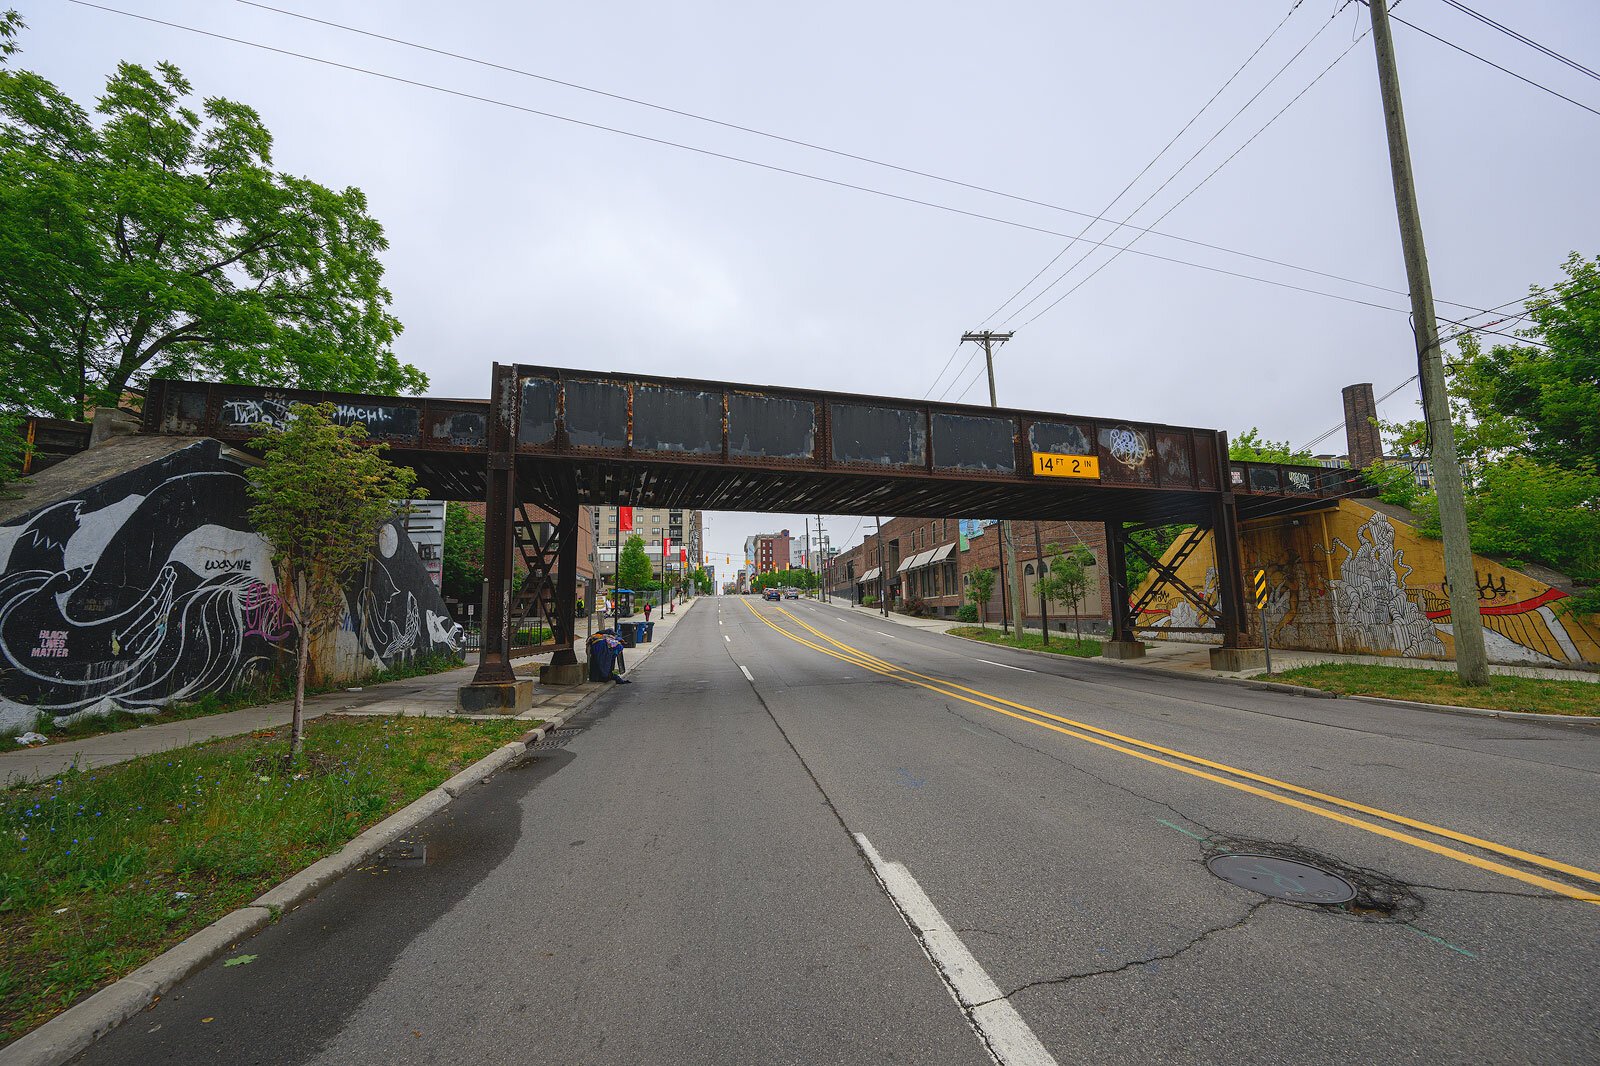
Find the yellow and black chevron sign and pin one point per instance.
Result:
(1261, 589)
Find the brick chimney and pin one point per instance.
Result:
(1362, 439)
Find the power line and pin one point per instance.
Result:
(1181, 168)
(1497, 66)
(1107, 262)
(810, 145)
(1529, 41)
(1154, 159)
(494, 101)
(953, 352)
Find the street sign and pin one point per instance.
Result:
(1259, 583)
(1054, 464)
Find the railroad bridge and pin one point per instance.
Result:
(557, 438)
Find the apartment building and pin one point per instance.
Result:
(683, 530)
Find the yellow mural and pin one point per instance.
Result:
(1355, 579)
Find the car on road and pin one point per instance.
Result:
(791, 594)
(771, 594)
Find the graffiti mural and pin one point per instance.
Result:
(152, 586)
(1355, 579)
(1370, 598)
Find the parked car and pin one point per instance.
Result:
(771, 594)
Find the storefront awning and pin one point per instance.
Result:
(928, 558)
(870, 575)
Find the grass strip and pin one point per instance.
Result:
(276, 690)
(1503, 693)
(1059, 645)
(101, 871)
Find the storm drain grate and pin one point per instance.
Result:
(556, 738)
(1282, 878)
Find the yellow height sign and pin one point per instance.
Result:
(1261, 589)
(1053, 464)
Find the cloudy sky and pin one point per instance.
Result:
(516, 236)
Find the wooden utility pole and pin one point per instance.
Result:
(1472, 662)
(1008, 550)
(883, 579)
(1044, 607)
(822, 563)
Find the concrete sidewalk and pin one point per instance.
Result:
(1189, 658)
(431, 696)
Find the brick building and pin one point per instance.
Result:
(766, 552)
(930, 560)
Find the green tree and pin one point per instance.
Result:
(153, 238)
(1068, 579)
(979, 589)
(463, 554)
(321, 492)
(13, 450)
(1250, 446)
(634, 569)
(1542, 401)
(702, 581)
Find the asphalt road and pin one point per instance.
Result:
(804, 833)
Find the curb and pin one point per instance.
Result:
(1312, 693)
(1158, 671)
(69, 1033)
(1487, 712)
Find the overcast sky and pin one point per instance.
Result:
(519, 237)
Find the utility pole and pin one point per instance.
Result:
(1466, 623)
(1008, 548)
(1044, 611)
(806, 552)
(822, 563)
(883, 578)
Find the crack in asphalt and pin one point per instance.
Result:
(1069, 764)
(1200, 938)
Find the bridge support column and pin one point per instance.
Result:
(1233, 656)
(495, 688)
(564, 667)
(1123, 644)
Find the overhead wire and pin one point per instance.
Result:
(1153, 160)
(1504, 70)
(1524, 39)
(1201, 184)
(1181, 168)
(754, 131)
(727, 157)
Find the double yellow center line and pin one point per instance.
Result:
(1288, 794)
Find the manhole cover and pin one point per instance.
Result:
(1282, 878)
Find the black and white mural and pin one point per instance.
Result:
(151, 587)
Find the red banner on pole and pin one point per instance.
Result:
(683, 555)
(625, 519)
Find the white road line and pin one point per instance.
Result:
(727, 638)
(746, 671)
(1004, 1034)
(881, 633)
(1004, 666)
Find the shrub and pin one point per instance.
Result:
(967, 612)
